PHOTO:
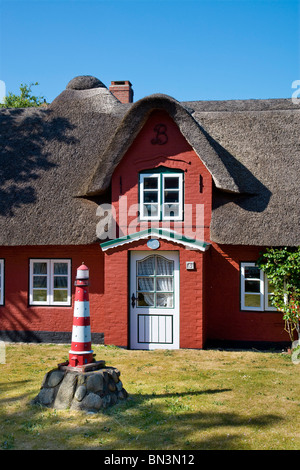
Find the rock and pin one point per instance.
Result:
(91, 391)
(121, 395)
(66, 391)
(113, 399)
(55, 377)
(94, 382)
(80, 392)
(81, 379)
(106, 401)
(45, 397)
(119, 386)
(114, 375)
(92, 402)
(104, 375)
(111, 386)
(44, 382)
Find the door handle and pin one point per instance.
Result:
(133, 299)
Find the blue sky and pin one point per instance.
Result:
(188, 49)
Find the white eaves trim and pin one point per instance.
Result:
(164, 234)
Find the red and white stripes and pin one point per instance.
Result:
(81, 350)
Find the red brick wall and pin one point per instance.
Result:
(117, 294)
(175, 154)
(214, 283)
(225, 320)
(109, 292)
(16, 314)
(143, 155)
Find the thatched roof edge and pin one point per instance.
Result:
(131, 125)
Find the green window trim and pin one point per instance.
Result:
(165, 234)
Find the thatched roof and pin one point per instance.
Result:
(263, 136)
(131, 125)
(56, 164)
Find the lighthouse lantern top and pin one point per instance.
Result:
(83, 272)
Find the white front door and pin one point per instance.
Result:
(154, 300)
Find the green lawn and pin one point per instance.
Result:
(178, 400)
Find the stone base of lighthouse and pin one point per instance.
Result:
(81, 389)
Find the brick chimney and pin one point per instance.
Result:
(122, 90)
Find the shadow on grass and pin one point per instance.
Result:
(4, 388)
(171, 418)
(165, 421)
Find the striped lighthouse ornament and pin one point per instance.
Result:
(81, 352)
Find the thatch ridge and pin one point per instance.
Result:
(131, 125)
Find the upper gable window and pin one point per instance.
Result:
(161, 196)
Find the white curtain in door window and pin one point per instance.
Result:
(164, 284)
(164, 267)
(164, 295)
(146, 267)
(146, 284)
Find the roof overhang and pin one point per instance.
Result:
(164, 234)
(192, 131)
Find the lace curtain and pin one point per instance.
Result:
(157, 279)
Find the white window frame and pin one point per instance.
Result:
(263, 290)
(267, 293)
(180, 191)
(161, 178)
(144, 216)
(50, 282)
(1, 281)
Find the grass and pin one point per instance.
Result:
(178, 400)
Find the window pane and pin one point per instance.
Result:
(39, 281)
(171, 196)
(39, 295)
(151, 210)
(151, 183)
(270, 302)
(164, 284)
(164, 300)
(164, 266)
(146, 266)
(252, 300)
(145, 300)
(252, 286)
(60, 268)
(270, 287)
(171, 182)
(39, 268)
(146, 283)
(252, 272)
(60, 281)
(150, 196)
(171, 210)
(60, 296)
